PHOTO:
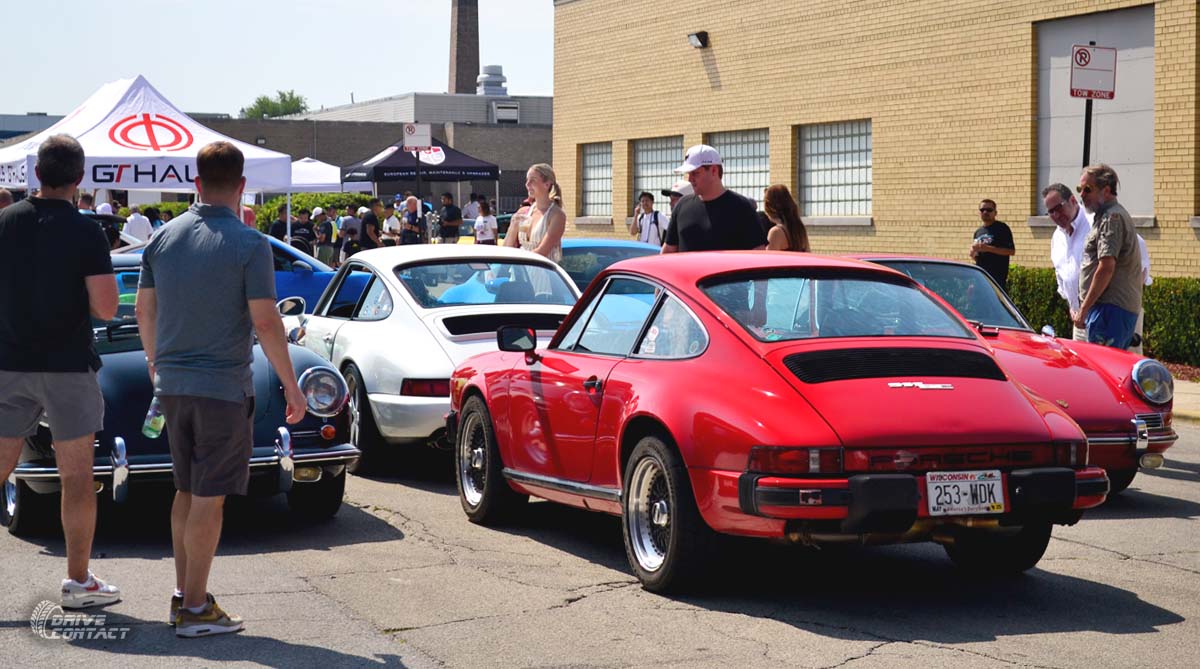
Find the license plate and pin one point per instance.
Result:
(963, 493)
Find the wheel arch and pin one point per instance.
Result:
(635, 430)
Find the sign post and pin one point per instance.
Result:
(418, 137)
(1094, 77)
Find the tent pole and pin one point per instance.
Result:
(497, 212)
(288, 237)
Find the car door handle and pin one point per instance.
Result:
(327, 338)
(593, 384)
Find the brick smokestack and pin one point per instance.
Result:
(464, 45)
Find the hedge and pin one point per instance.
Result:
(1172, 304)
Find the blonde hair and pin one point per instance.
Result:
(546, 174)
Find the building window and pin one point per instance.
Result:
(597, 180)
(835, 169)
(746, 157)
(654, 163)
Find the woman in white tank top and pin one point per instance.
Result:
(540, 226)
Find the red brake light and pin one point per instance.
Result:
(426, 387)
(774, 460)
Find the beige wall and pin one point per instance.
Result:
(950, 88)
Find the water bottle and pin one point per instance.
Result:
(155, 421)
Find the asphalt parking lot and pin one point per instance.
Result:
(400, 579)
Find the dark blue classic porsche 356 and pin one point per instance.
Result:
(307, 461)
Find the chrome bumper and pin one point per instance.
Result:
(120, 469)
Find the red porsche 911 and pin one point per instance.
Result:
(786, 396)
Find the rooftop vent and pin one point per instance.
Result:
(492, 81)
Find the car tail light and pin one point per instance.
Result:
(426, 387)
(1071, 453)
(775, 460)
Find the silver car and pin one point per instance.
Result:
(397, 320)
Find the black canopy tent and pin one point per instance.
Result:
(440, 163)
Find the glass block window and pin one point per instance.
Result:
(654, 163)
(835, 169)
(596, 180)
(746, 157)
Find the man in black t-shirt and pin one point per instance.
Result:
(55, 276)
(713, 218)
(451, 220)
(993, 244)
(369, 239)
(278, 228)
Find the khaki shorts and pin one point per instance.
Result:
(72, 402)
(211, 442)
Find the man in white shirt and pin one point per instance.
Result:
(391, 225)
(1066, 244)
(649, 224)
(470, 211)
(138, 226)
(1136, 345)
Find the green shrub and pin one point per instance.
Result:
(1172, 304)
(327, 201)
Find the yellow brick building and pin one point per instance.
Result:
(955, 100)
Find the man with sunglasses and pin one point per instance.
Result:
(993, 244)
(1110, 274)
(1066, 244)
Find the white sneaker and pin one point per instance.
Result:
(92, 593)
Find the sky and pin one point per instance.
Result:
(217, 56)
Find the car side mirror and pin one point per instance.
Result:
(1049, 331)
(296, 335)
(291, 306)
(301, 267)
(516, 339)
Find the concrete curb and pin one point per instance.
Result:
(1189, 416)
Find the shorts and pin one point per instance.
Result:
(489, 242)
(211, 441)
(72, 402)
(326, 253)
(1110, 325)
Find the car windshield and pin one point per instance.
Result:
(120, 333)
(455, 283)
(966, 288)
(583, 263)
(822, 305)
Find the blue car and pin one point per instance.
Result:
(585, 258)
(297, 274)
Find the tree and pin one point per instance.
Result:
(284, 102)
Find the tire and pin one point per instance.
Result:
(1119, 480)
(666, 540)
(485, 496)
(320, 500)
(364, 433)
(27, 513)
(994, 554)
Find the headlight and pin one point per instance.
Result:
(1153, 381)
(324, 390)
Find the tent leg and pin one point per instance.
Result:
(288, 237)
(497, 211)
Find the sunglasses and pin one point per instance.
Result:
(1086, 188)
(986, 210)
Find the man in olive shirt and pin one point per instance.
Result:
(1110, 276)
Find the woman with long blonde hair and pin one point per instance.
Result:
(540, 226)
(787, 233)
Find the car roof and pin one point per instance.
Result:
(575, 243)
(684, 269)
(872, 257)
(390, 256)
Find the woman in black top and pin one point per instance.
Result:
(787, 233)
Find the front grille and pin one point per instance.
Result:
(460, 325)
(873, 363)
(1154, 421)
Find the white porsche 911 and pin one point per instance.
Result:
(397, 320)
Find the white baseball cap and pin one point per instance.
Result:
(317, 211)
(104, 208)
(681, 187)
(699, 156)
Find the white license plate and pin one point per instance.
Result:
(962, 493)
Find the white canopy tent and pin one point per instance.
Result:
(135, 139)
(310, 175)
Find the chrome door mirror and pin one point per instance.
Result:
(291, 306)
(516, 339)
(1049, 331)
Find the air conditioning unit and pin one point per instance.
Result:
(507, 111)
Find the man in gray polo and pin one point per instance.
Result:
(1110, 273)
(55, 275)
(207, 285)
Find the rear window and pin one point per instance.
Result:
(456, 283)
(799, 306)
